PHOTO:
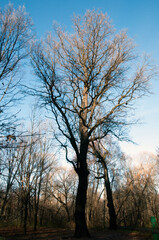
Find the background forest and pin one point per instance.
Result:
(37, 191)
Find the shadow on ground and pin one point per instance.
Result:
(63, 234)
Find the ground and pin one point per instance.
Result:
(61, 234)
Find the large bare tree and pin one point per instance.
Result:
(15, 34)
(90, 79)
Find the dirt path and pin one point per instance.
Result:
(62, 234)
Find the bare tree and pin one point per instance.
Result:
(90, 81)
(15, 34)
(136, 197)
(64, 188)
(9, 169)
(44, 165)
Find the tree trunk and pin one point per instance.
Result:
(5, 200)
(41, 217)
(112, 214)
(35, 220)
(25, 216)
(36, 205)
(26, 202)
(4, 205)
(81, 229)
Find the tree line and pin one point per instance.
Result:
(89, 82)
(37, 192)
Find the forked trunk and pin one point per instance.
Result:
(81, 229)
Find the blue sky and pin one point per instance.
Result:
(140, 18)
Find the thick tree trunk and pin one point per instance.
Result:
(81, 229)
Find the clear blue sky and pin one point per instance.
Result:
(140, 18)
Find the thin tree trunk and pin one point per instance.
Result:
(26, 203)
(5, 200)
(25, 216)
(41, 217)
(36, 205)
(35, 220)
(112, 214)
(4, 204)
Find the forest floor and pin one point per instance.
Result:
(63, 234)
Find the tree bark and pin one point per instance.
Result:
(25, 216)
(36, 204)
(35, 219)
(112, 214)
(81, 229)
(5, 200)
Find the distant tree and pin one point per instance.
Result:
(43, 167)
(64, 188)
(9, 169)
(15, 34)
(90, 80)
(35, 164)
(136, 198)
